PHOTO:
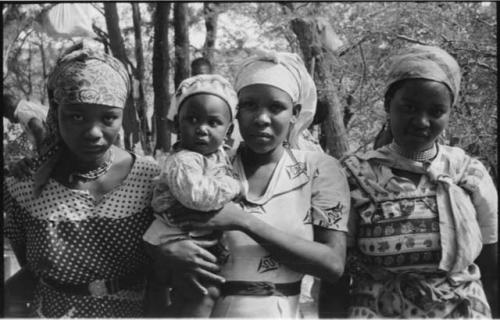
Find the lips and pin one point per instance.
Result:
(93, 149)
(262, 135)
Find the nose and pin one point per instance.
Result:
(421, 121)
(201, 130)
(93, 133)
(262, 118)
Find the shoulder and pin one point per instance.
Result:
(20, 190)
(320, 164)
(145, 166)
(316, 158)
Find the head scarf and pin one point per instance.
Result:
(213, 84)
(287, 72)
(84, 76)
(426, 62)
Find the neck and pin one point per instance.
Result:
(419, 156)
(76, 164)
(253, 159)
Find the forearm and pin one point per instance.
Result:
(488, 264)
(305, 256)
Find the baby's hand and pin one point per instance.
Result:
(22, 169)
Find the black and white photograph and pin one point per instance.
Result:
(310, 159)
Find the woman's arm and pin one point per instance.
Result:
(323, 258)
(488, 264)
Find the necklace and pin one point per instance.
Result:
(94, 173)
(419, 156)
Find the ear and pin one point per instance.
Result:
(387, 105)
(175, 125)
(230, 130)
(296, 111)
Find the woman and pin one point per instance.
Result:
(77, 224)
(424, 215)
(293, 214)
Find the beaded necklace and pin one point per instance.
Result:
(94, 173)
(419, 156)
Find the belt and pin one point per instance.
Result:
(260, 288)
(97, 288)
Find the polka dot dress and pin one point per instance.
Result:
(72, 238)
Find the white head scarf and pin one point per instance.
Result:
(287, 72)
(213, 84)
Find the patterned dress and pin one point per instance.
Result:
(397, 238)
(306, 190)
(73, 238)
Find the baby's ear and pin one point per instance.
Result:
(230, 130)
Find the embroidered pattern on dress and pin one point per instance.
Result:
(267, 263)
(296, 170)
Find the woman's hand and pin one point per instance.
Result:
(190, 262)
(230, 217)
(22, 169)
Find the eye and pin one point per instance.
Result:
(77, 117)
(247, 105)
(214, 122)
(277, 107)
(109, 119)
(192, 119)
(408, 108)
(438, 113)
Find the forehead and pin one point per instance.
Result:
(258, 91)
(424, 89)
(88, 108)
(205, 103)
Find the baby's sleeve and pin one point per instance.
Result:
(194, 187)
(477, 181)
(330, 203)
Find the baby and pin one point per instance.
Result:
(197, 173)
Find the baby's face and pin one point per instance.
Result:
(204, 120)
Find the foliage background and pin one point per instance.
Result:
(370, 33)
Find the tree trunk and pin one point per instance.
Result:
(211, 14)
(181, 42)
(44, 68)
(321, 64)
(160, 75)
(140, 103)
(116, 43)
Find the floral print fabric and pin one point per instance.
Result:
(395, 232)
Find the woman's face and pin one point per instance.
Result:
(419, 112)
(204, 120)
(264, 117)
(89, 130)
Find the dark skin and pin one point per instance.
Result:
(265, 114)
(419, 111)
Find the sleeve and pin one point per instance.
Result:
(27, 110)
(14, 228)
(162, 197)
(330, 202)
(190, 184)
(478, 183)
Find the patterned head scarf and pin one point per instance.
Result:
(426, 62)
(287, 72)
(80, 76)
(213, 84)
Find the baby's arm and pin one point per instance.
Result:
(193, 188)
